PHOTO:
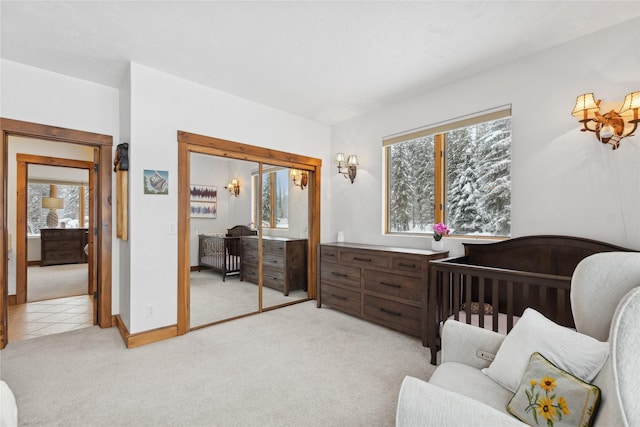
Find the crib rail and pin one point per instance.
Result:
(508, 291)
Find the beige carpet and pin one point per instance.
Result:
(56, 281)
(296, 366)
(213, 300)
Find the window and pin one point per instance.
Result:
(75, 198)
(275, 198)
(458, 173)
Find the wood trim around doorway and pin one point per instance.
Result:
(102, 240)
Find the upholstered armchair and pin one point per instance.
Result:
(605, 299)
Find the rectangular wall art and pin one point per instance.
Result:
(204, 200)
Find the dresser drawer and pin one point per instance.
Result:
(407, 265)
(273, 279)
(63, 257)
(328, 254)
(340, 298)
(394, 285)
(401, 317)
(273, 260)
(249, 273)
(250, 244)
(61, 244)
(273, 246)
(364, 258)
(340, 274)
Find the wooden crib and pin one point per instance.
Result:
(492, 284)
(222, 253)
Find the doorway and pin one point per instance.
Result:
(264, 165)
(99, 238)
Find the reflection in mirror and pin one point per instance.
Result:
(221, 212)
(285, 227)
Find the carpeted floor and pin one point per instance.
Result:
(56, 281)
(297, 366)
(213, 300)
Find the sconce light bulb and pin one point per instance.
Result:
(607, 131)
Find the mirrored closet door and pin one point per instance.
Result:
(285, 226)
(248, 228)
(220, 214)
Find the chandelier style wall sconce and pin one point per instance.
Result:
(301, 176)
(351, 164)
(609, 127)
(234, 187)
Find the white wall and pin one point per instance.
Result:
(39, 96)
(563, 181)
(161, 105)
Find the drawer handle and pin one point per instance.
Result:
(402, 264)
(393, 285)
(329, 254)
(339, 297)
(395, 313)
(362, 259)
(274, 261)
(339, 274)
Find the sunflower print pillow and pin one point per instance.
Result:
(548, 396)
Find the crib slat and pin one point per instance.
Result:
(456, 298)
(509, 306)
(481, 300)
(445, 296)
(468, 281)
(495, 302)
(544, 307)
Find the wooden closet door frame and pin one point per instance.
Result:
(194, 143)
(102, 231)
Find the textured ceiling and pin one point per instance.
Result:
(327, 61)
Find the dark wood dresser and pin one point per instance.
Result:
(284, 262)
(384, 285)
(62, 246)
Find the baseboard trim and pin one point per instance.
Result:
(146, 337)
(196, 268)
(32, 263)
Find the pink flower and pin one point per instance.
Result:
(440, 230)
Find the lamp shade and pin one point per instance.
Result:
(352, 160)
(339, 159)
(585, 102)
(631, 101)
(52, 203)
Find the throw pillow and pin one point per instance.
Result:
(475, 308)
(550, 396)
(576, 353)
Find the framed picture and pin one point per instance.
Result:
(156, 182)
(203, 209)
(203, 193)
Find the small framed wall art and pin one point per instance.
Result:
(156, 182)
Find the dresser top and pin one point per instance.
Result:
(383, 248)
(276, 239)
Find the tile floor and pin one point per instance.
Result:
(47, 317)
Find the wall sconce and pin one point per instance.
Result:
(297, 174)
(609, 127)
(234, 187)
(52, 203)
(351, 164)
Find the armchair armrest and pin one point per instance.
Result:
(468, 344)
(424, 404)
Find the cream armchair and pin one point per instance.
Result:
(605, 299)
